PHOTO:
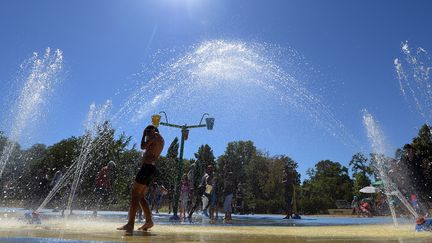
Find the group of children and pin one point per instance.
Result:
(362, 208)
(207, 190)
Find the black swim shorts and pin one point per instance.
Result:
(146, 174)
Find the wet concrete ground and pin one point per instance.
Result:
(83, 227)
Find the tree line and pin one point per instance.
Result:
(258, 177)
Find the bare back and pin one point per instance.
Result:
(152, 148)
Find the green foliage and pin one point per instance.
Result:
(256, 171)
(360, 164)
(168, 166)
(360, 181)
(205, 156)
(126, 168)
(15, 162)
(257, 176)
(329, 181)
(61, 154)
(173, 149)
(422, 167)
(261, 181)
(238, 155)
(272, 200)
(104, 148)
(361, 172)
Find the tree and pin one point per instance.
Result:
(422, 164)
(237, 156)
(360, 164)
(256, 171)
(126, 170)
(3, 140)
(61, 154)
(361, 171)
(360, 181)
(168, 166)
(329, 181)
(204, 157)
(104, 147)
(173, 149)
(12, 167)
(280, 183)
(31, 166)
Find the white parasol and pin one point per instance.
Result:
(369, 189)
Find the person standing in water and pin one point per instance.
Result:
(184, 196)
(206, 182)
(355, 205)
(213, 199)
(103, 185)
(228, 191)
(289, 179)
(152, 143)
(196, 187)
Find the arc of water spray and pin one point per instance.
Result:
(413, 72)
(70, 174)
(220, 63)
(61, 183)
(96, 116)
(42, 74)
(210, 64)
(376, 137)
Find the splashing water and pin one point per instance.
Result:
(97, 116)
(234, 81)
(413, 72)
(374, 133)
(93, 139)
(41, 74)
(383, 165)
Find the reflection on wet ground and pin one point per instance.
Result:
(83, 227)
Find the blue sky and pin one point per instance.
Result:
(350, 45)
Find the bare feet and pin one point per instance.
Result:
(128, 228)
(146, 226)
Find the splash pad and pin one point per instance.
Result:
(233, 80)
(237, 80)
(83, 227)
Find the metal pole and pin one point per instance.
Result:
(180, 160)
(178, 180)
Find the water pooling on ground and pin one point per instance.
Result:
(246, 228)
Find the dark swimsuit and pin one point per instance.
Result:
(146, 174)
